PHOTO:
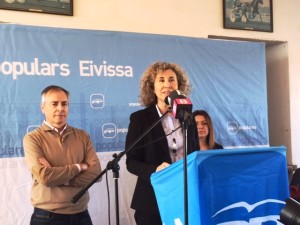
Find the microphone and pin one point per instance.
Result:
(173, 95)
(180, 104)
(289, 215)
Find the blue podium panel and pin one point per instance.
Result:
(225, 187)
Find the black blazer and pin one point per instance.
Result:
(148, 154)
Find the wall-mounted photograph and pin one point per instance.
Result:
(255, 15)
(59, 7)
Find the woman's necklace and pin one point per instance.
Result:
(171, 123)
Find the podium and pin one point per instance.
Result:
(225, 187)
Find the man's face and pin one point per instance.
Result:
(56, 108)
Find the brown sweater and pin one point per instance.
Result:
(53, 187)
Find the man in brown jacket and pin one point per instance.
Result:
(62, 160)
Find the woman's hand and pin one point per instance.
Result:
(162, 166)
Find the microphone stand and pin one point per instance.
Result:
(185, 177)
(114, 166)
(184, 117)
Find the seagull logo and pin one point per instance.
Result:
(250, 208)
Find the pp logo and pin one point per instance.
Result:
(97, 101)
(109, 130)
(31, 128)
(183, 101)
(232, 127)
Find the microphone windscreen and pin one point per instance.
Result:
(176, 94)
(168, 100)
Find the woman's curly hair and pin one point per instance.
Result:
(147, 95)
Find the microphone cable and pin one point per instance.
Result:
(158, 139)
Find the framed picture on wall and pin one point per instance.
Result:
(59, 7)
(255, 15)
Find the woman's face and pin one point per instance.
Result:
(165, 82)
(202, 126)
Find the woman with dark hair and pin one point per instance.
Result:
(163, 145)
(205, 129)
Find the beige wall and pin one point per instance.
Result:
(195, 18)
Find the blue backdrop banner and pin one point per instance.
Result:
(225, 187)
(102, 70)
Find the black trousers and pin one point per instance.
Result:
(43, 217)
(142, 218)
